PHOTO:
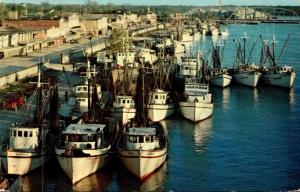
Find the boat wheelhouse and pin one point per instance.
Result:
(81, 95)
(83, 150)
(197, 103)
(123, 108)
(159, 106)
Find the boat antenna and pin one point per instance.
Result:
(284, 47)
(273, 46)
(244, 39)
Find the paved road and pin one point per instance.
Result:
(13, 64)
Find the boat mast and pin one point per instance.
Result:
(244, 39)
(273, 48)
(88, 76)
(39, 108)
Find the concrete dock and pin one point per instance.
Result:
(15, 68)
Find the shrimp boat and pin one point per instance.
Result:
(159, 106)
(85, 146)
(84, 149)
(219, 76)
(197, 103)
(28, 148)
(281, 76)
(245, 73)
(123, 108)
(142, 147)
(83, 93)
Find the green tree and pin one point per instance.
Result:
(118, 40)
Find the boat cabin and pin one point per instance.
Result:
(123, 101)
(247, 68)
(158, 96)
(196, 92)
(81, 94)
(284, 69)
(24, 137)
(128, 58)
(217, 71)
(84, 136)
(143, 138)
(196, 87)
(187, 70)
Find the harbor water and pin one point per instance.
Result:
(250, 143)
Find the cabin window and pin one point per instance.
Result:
(156, 96)
(127, 101)
(30, 133)
(84, 88)
(85, 138)
(134, 139)
(25, 134)
(147, 139)
(74, 138)
(15, 133)
(123, 101)
(19, 133)
(141, 139)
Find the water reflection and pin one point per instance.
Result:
(96, 182)
(292, 96)
(202, 132)
(255, 96)
(226, 97)
(154, 183)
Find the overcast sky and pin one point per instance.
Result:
(170, 2)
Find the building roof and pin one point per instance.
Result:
(10, 30)
(91, 16)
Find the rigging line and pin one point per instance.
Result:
(251, 51)
(284, 47)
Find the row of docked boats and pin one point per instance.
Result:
(126, 123)
(249, 74)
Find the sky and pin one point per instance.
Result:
(170, 2)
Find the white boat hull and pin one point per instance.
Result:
(196, 111)
(21, 163)
(123, 115)
(77, 168)
(285, 80)
(158, 112)
(143, 163)
(221, 80)
(247, 78)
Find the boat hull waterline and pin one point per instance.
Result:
(143, 163)
(196, 111)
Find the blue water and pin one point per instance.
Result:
(252, 141)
